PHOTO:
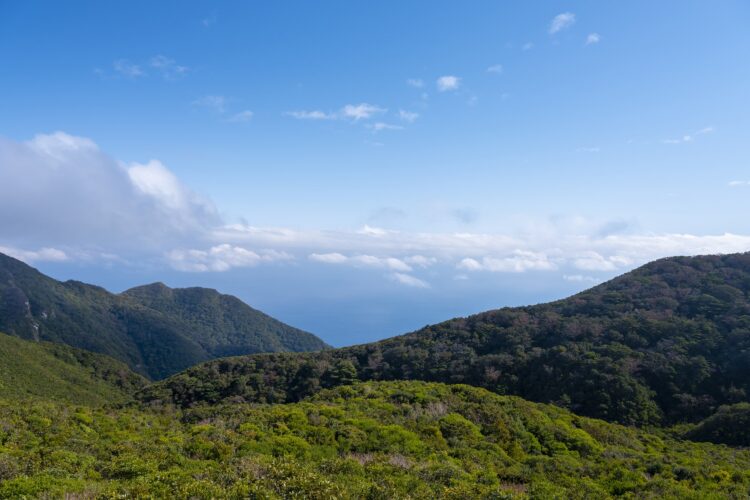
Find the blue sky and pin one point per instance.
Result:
(360, 169)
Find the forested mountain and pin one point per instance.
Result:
(56, 372)
(156, 330)
(372, 440)
(666, 343)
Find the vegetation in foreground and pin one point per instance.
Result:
(368, 440)
(665, 344)
(46, 371)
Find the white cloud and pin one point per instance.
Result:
(30, 256)
(127, 69)
(421, 261)
(242, 116)
(362, 260)
(168, 68)
(739, 183)
(407, 116)
(216, 103)
(448, 82)
(311, 115)
(409, 280)
(579, 278)
(415, 82)
(593, 38)
(689, 137)
(594, 149)
(561, 22)
(329, 258)
(61, 191)
(372, 231)
(495, 68)
(593, 261)
(222, 258)
(520, 261)
(379, 126)
(362, 111)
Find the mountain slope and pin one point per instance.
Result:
(46, 371)
(157, 331)
(665, 343)
(371, 440)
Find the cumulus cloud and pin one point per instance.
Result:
(58, 190)
(222, 258)
(447, 83)
(561, 22)
(520, 261)
(362, 261)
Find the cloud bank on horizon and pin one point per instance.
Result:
(63, 199)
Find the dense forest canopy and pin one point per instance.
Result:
(156, 330)
(666, 343)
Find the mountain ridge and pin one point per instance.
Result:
(154, 337)
(665, 343)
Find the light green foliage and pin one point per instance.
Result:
(367, 440)
(42, 370)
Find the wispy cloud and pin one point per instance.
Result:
(407, 116)
(209, 21)
(527, 46)
(216, 103)
(242, 116)
(520, 261)
(739, 183)
(580, 278)
(380, 126)
(593, 38)
(689, 137)
(415, 82)
(409, 280)
(495, 68)
(311, 115)
(447, 83)
(356, 112)
(168, 68)
(362, 111)
(594, 149)
(127, 69)
(561, 22)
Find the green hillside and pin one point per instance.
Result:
(372, 440)
(46, 371)
(666, 343)
(157, 331)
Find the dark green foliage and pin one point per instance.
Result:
(371, 440)
(729, 425)
(156, 330)
(668, 342)
(42, 370)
